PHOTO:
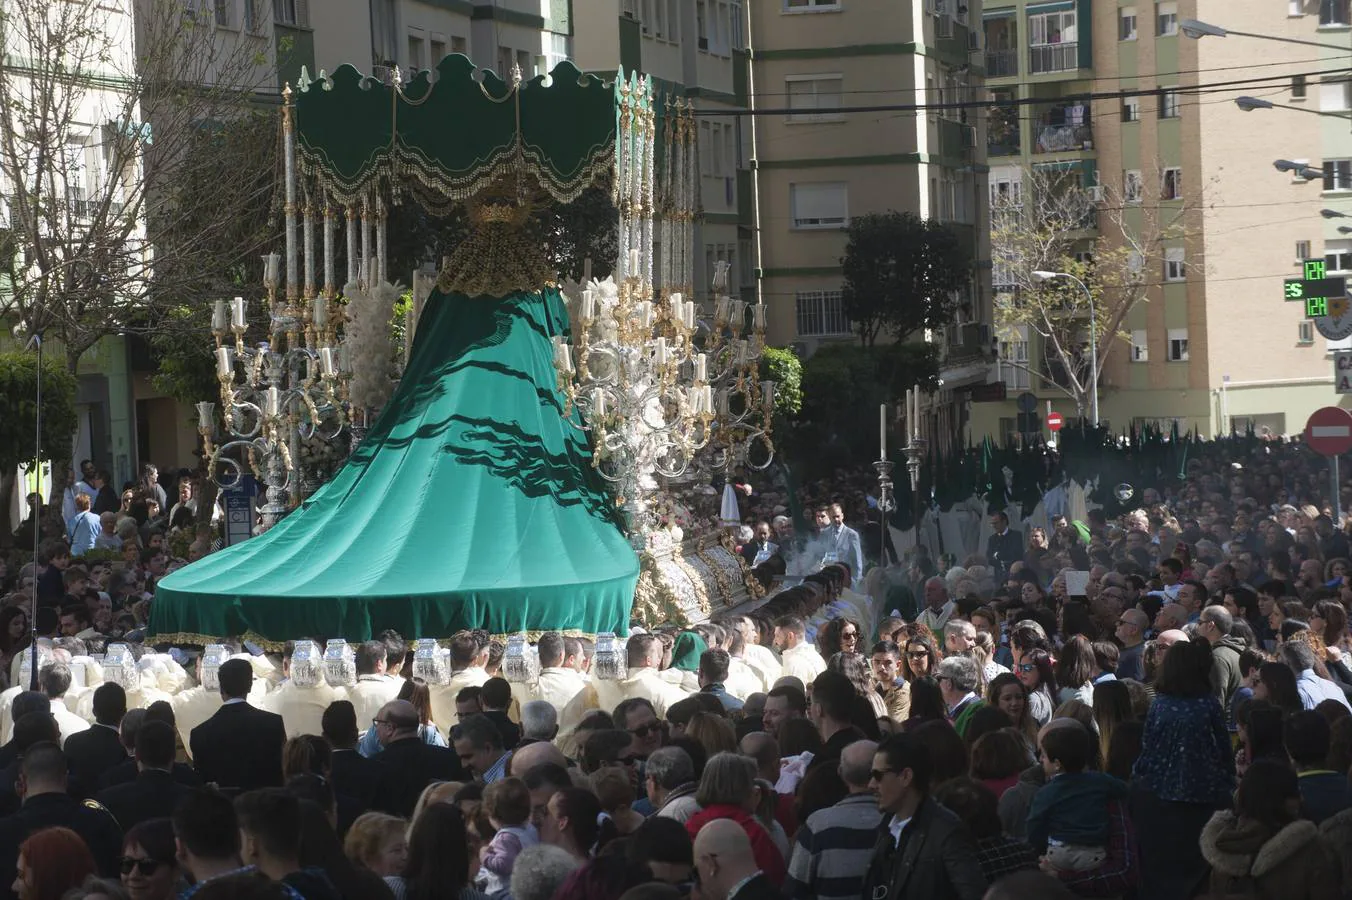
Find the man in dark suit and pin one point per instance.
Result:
(761, 548)
(240, 747)
(126, 771)
(725, 865)
(91, 753)
(929, 855)
(407, 764)
(1005, 546)
(154, 794)
(354, 776)
(24, 703)
(42, 782)
(33, 729)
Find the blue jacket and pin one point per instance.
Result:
(1072, 808)
(729, 702)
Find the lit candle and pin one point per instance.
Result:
(274, 402)
(689, 310)
(220, 317)
(598, 403)
(882, 431)
(204, 413)
(321, 313)
(633, 263)
(701, 370)
(660, 351)
(588, 305)
(327, 364)
(225, 362)
(676, 314)
(239, 310)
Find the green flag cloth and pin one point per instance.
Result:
(471, 503)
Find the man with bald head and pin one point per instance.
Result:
(407, 764)
(726, 866)
(1167, 639)
(1172, 616)
(1130, 632)
(531, 755)
(834, 846)
(938, 608)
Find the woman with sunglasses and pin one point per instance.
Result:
(839, 636)
(148, 867)
(1035, 672)
(918, 656)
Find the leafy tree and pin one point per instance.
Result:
(785, 369)
(18, 411)
(902, 274)
(843, 385)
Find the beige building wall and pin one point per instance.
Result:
(872, 53)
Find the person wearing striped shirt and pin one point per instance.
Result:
(833, 847)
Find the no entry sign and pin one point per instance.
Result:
(1329, 431)
(1054, 421)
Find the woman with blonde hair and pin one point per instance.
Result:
(379, 842)
(434, 793)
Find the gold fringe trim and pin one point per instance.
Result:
(178, 638)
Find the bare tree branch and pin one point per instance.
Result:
(103, 111)
(1114, 241)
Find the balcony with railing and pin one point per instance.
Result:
(1004, 135)
(1002, 46)
(1045, 59)
(1063, 127)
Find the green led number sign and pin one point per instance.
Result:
(1314, 288)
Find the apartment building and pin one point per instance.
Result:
(693, 49)
(416, 34)
(817, 163)
(1115, 91)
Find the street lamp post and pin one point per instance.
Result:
(1042, 275)
(1198, 30)
(1249, 104)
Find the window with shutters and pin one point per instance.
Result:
(1166, 19)
(416, 45)
(1171, 184)
(1334, 12)
(1174, 267)
(1014, 358)
(1297, 87)
(819, 205)
(817, 96)
(1337, 174)
(1305, 332)
(1131, 109)
(1133, 186)
(297, 12)
(1140, 351)
(820, 314)
(436, 49)
(1338, 256)
(1302, 252)
(1126, 23)
(1168, 103)
(1335, 96)
(384, 39)
(1178, 345)
(225, 13)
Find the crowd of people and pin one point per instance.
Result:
(1150, 706)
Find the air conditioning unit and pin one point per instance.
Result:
(704, 43)
(1096, 193)
(974, 41)
(968, 136)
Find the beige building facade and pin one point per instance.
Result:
(818, 160)
(1214, 346)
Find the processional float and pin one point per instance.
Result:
(521, 474)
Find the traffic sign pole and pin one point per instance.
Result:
(1329, 433)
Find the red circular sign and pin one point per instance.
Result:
(1054, 421)
(1329, 431)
